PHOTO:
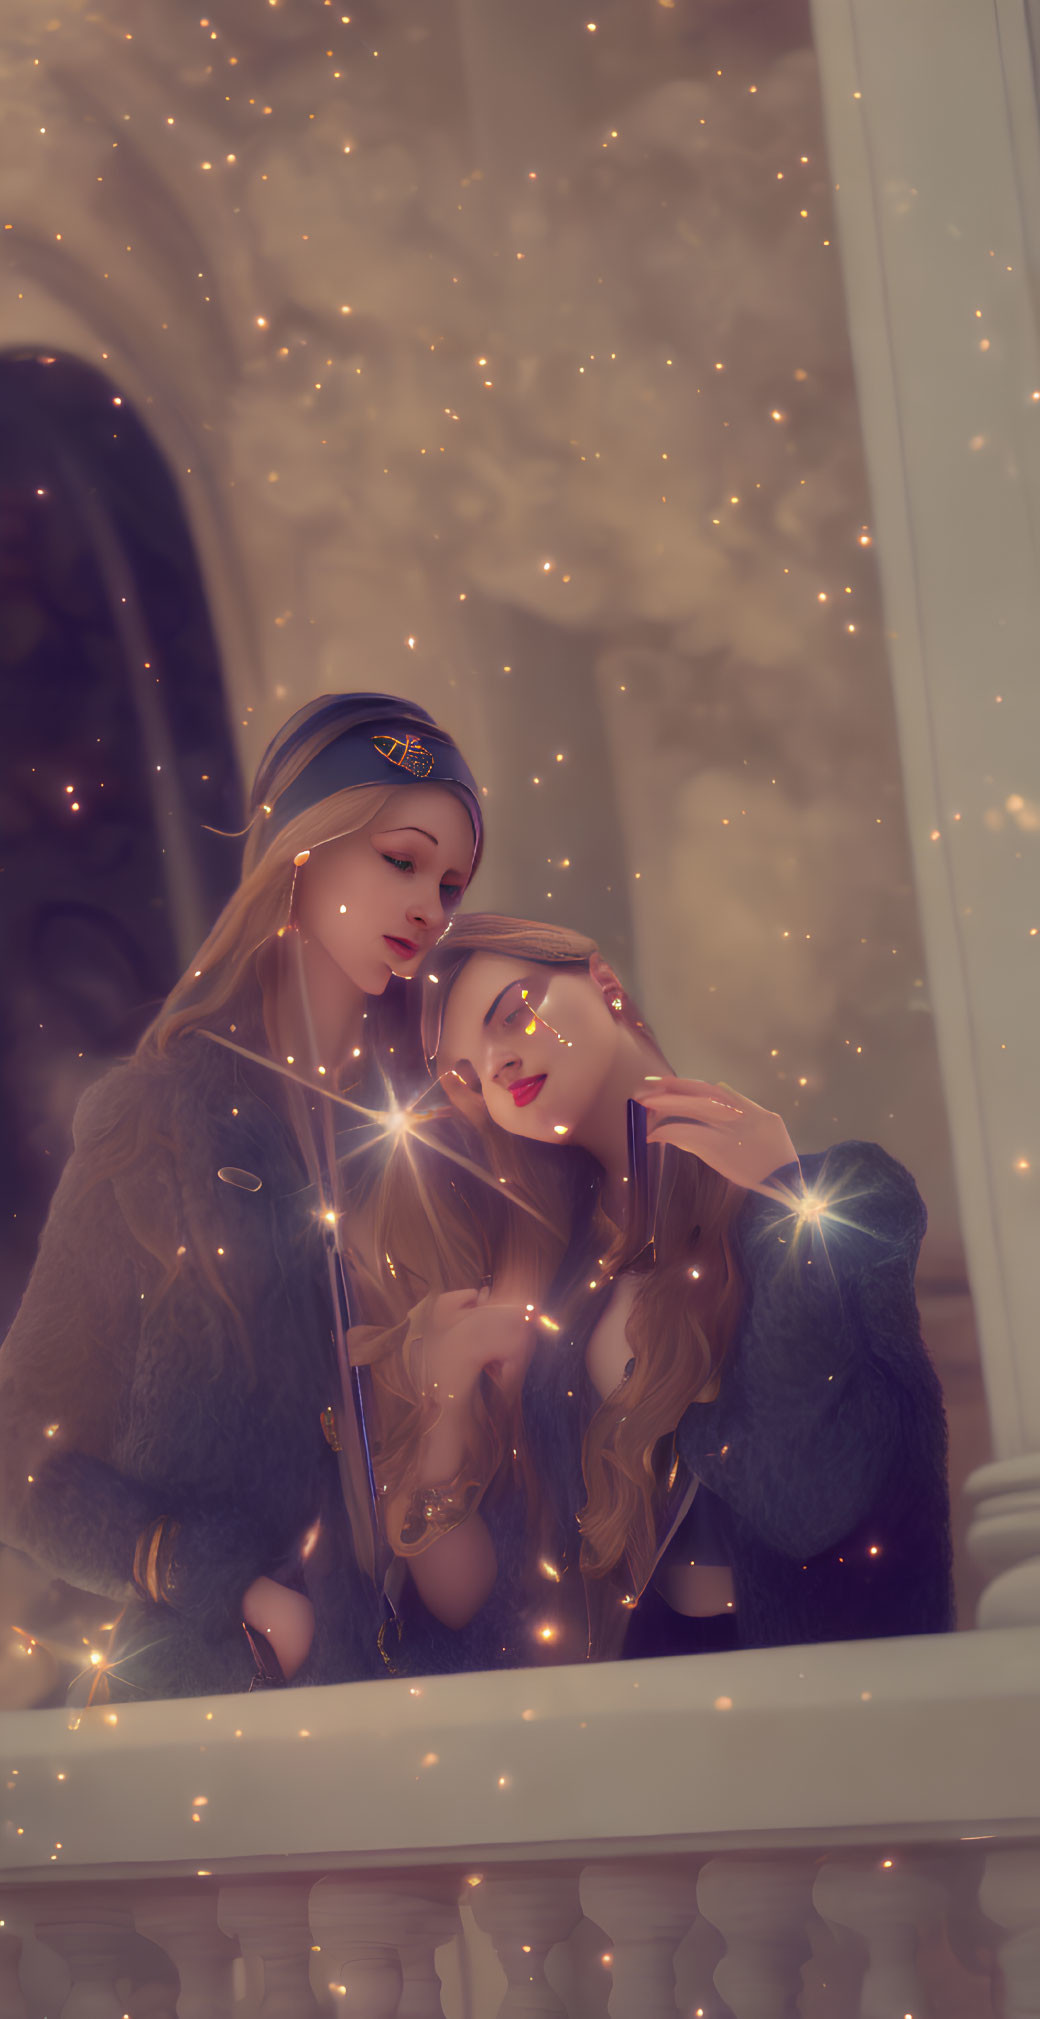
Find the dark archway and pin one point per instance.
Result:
(115, 756)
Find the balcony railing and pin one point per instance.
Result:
(830, 1830)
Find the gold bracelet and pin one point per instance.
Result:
(433, 1511)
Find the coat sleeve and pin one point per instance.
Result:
(827, 1394)
(117, 1397)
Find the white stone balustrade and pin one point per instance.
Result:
(778, 1795)
(371, 1926)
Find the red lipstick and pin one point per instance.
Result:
(401, 946)
(525, 1091)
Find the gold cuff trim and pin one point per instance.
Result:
(153, 1559)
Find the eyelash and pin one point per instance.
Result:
(523, 1013)
(451, 892)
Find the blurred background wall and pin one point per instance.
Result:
(496, 355)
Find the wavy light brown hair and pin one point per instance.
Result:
(681, 1326)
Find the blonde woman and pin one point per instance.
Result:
(170, 1397)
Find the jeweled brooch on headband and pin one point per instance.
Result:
(407, 752)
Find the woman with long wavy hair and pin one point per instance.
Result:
(730, 1431)
(171, 1395)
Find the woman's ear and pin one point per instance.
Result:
(607, 982)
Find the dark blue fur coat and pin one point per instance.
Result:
(124, 1397)
(823, 1456)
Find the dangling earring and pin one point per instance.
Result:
(298, 863)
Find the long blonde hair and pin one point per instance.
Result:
(681, 1325)
(235, 987)
(224, 972)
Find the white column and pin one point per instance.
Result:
(885, 1900)
(647, 1907)
(935, 157)
(762, 1906)
(268, 1920)
(1010, 1896)
(378, 1933)
(526, 1910)
(182, 1921)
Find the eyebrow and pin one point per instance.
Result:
(463, 874)
(424, 831)
(503, 991)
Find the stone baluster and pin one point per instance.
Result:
(885, 1899)
(12, 2000)
(378, 1937)
(1004, 1538)
(420, 1985)
(153, 1982)
(157, 1999)
(971, 1935)
(762, 1908)
(92, 1931)
(526, 1910)
(433, 1920)
(647, 1908)
(182, 1920)
(268, 1919)
(696, 1961)
(1010, 1897)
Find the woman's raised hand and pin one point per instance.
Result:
(468, 1334)
(740, 1140)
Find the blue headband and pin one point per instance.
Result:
(392, 744)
